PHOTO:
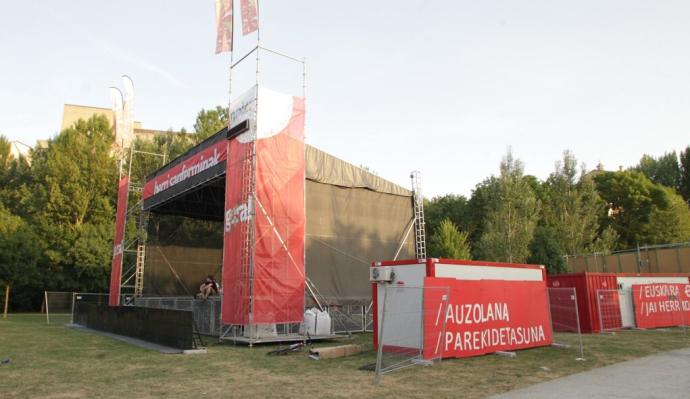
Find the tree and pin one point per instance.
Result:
(73, 204)
(572, 206)
(19, 251)
(449, 242)
(546, 250)
(684, 181)
(478, 207)
(512, 216)
(642, 212)
(210, 121)
(450, 206)
(663, 170)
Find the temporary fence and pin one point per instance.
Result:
(398, 348)
(58, 307)
(666, 258)
(206, 312)
(351, 318)
(609, 310)
(565, 320)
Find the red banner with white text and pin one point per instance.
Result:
(485, 316)
(263, 255)
(191, 166)
(118, 241)
(238, 230)
(661, 305)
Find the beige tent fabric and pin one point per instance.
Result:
(347, 230)
(325, 168)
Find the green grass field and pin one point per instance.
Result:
(51, 361)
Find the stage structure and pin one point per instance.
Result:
(282, 225)
(199, 226)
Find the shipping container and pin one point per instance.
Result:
(411, 273)
(586, 286)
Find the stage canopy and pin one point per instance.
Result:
(353, 217)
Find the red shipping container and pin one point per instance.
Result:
(586, 286)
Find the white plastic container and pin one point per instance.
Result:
(309, 324)
(323, 323)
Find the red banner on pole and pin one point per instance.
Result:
(223, 26)
(661, 305)
(250, 16)
(118, 241)
(485, 316)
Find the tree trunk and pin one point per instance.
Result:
(7, 300)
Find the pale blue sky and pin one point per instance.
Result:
(440, 86)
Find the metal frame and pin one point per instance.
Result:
(248, 232)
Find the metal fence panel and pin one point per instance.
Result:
(406, 338)
(565, 319)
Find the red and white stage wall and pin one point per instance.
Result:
(118, 241)
(269, 157)
(491, 306)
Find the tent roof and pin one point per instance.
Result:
(203, 196)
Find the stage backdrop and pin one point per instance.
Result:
(485, 316)
(269, 157)
(661, 305)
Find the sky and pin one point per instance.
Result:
(444, 87)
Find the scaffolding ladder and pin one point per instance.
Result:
(139, 271)
(418, 204)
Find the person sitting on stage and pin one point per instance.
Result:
(208, 287)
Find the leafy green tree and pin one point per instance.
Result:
(642, 212)
(684, 182)
(73, 204)
(210, 121)
(479, 206)
(449, 242)
(19, 251)
(663, 170)
(546, 250)
(5, 154)
(572, 207)
(15, 175)
(512, 217)
(450, 206)
(607, 241)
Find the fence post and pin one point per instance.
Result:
(45, 298)
(7, 301)
(71, 320)
(379, 350)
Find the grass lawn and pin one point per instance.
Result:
(56, 362)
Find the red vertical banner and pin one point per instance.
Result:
(279, 277)
(263, 248)
(250, 16)
(223, 26)
(238, 228)
(118, 241)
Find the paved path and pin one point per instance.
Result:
(665, 375)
